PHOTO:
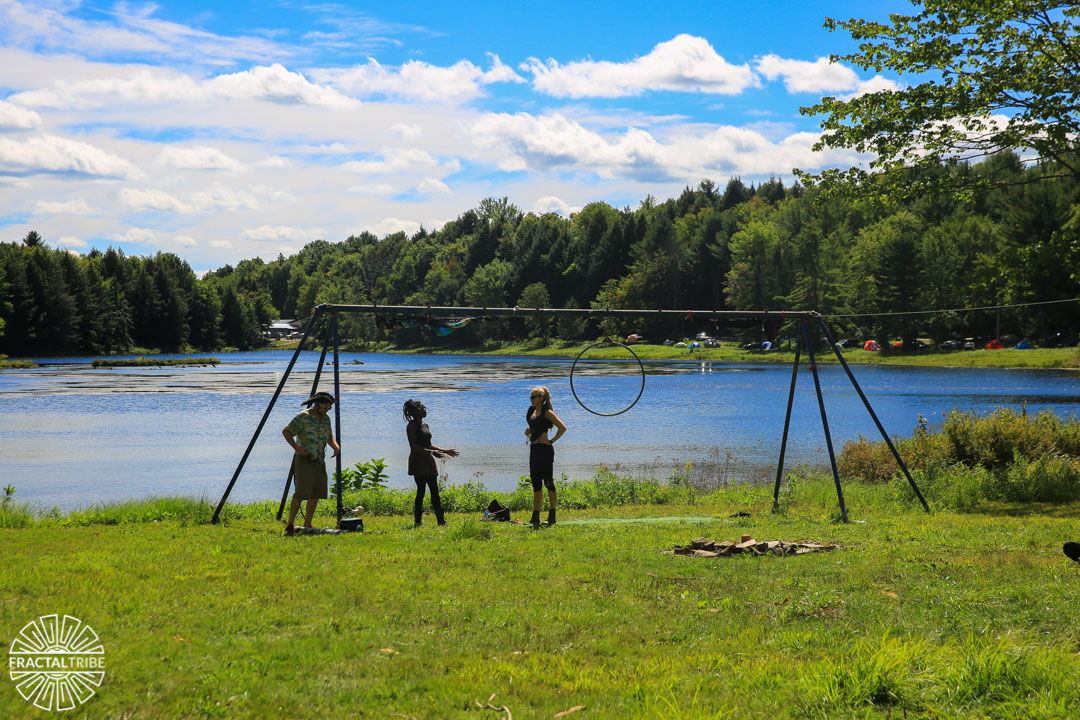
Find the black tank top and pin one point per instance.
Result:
(538, 424)
(423, 435)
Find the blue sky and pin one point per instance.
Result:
(222, 131)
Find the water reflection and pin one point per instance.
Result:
(73, 435)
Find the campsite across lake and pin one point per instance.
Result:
(75, 435)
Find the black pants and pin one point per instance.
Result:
(432, 483)
(542, 466)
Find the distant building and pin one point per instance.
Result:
(284, 329)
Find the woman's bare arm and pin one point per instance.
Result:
(560, 426)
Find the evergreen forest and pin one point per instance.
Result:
(740, 247)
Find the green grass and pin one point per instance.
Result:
(944, 615)
(154, 362)
(16, 364)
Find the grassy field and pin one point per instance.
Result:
(942, 615)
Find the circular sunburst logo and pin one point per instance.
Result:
(57, 663)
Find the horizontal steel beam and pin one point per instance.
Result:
(719, 315)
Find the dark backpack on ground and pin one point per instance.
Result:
(495, 512)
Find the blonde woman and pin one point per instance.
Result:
(541, 418)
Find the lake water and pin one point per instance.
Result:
(71, 435)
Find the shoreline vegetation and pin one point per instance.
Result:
(966, 611)
(155, 362)
(1037, 358)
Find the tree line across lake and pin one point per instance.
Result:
(743, 247)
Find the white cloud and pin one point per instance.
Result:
(282, 232)
(62, 207)
(155, 86)
(71, 241)
(394, 160)
(220, 244)
(214, 198)
(142, 86)
(819, 76)
(129, 29)
(185, 241)
(418, 80)
(392, 225)
(335, 148)
(198, 158)
(382, 189)
(539, 143)
(286, 250)
(278, 85)
(553, 204)
(685, 64)
(151, 200)
(430, 185)
(135, 235)
(275, 161)
(50, 154)
(874, 84)
(16, 118)
(405, 131)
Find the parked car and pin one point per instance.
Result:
(847, 343)
(750, 346)
(1060, 340)
(951, 345)
(707, 340)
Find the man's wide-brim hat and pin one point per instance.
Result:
(322, 397)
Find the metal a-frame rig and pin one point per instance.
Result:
(731, 318)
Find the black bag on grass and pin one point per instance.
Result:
(495, 512)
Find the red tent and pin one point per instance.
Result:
(994, 345)
(870, 345)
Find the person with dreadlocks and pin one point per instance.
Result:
(422, 456)
(542, 418)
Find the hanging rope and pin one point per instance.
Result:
(605, 342)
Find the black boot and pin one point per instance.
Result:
(535, 521)
(551, 517)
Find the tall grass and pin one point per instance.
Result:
(604, 489)
(1004, 455)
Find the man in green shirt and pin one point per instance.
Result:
(308, 434)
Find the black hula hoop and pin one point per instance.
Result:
(590, 347)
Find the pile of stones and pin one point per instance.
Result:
(704, 547)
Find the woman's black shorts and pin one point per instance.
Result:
(542, 466)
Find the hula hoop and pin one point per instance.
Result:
(640, 367)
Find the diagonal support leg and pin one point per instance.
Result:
(824, 419)
(284, 377)
(787, 424)
(880, 427)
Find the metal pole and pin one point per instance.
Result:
(880, 427)
(314, 389)
(824, 419)
(284, 377)
(337, 415)
(787, 424)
